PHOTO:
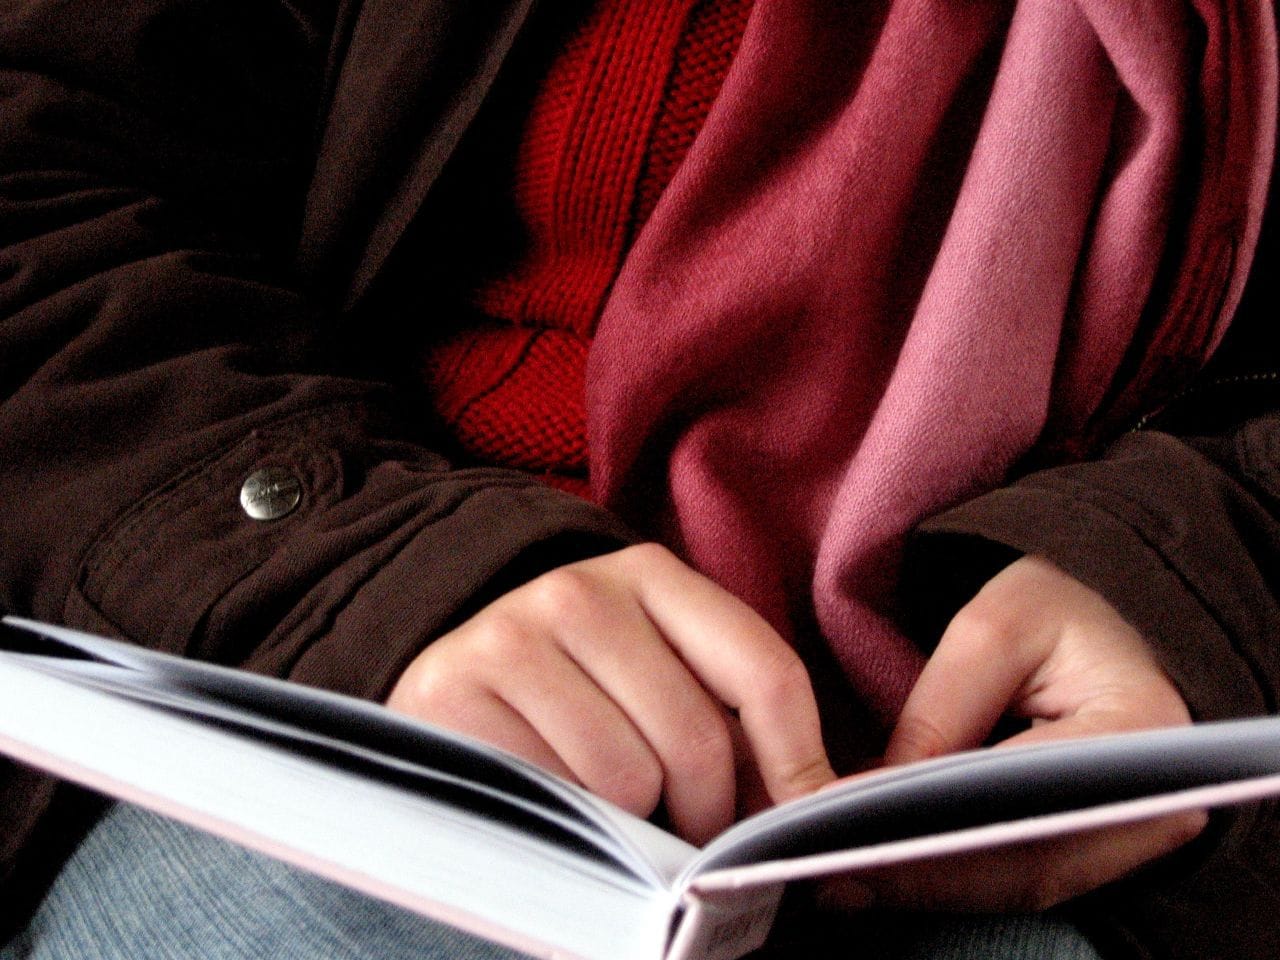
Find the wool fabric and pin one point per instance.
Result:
(916, 246)
(609, 124)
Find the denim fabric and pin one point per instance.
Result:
(141, 886)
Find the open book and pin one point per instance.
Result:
(462, 832)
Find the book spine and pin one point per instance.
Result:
(724, 925)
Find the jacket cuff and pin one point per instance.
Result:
(1151, 527)
(1177, 535)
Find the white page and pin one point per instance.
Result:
(983, 837)
(637, 844)
(424, 857)
(978, 788)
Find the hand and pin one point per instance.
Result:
(620, 672)
(1037, 644)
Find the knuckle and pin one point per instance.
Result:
(978, 620)
(430, 689)
(705, 751)
(780, 689)
(499, 639)
(562, 592)
(782, 679)
(427, 689)
(645, 555)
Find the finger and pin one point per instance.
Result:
(588, 731)
(464, 708)
(752, 795)
(613, 641)
(746, 665)
(1024, 877)
(974, 675)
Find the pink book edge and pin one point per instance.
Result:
(988, 836)
(354, 879)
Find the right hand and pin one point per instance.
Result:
(622, 673)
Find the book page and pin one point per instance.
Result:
(365, 736)
(999, 785)
(987, 836)
(385, 838)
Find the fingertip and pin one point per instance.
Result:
(803, 779)
(897, 753)
(1188, 826)
(915, 738)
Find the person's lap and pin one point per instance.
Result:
(143, 886)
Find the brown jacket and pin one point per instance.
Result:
(201, 242)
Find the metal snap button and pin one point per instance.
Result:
(270, 493)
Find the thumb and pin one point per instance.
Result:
(964, 690)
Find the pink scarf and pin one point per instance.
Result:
(912, 245)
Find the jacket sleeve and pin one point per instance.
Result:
(1178, 525)
(155, 352)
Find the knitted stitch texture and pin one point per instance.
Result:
(611, 121)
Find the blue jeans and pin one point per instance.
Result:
(141, 887)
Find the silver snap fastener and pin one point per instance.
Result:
(270, 494)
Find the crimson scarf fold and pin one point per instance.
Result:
(916, 243)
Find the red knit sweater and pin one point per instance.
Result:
(615, 113)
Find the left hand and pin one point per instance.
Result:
(1037, 644)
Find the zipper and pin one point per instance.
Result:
(1190, 391)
